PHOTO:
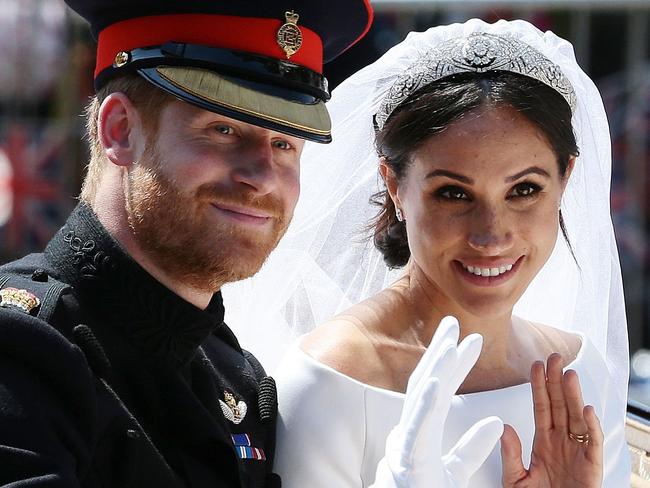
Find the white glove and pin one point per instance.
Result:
(414, 455)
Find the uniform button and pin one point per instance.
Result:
(132, 434)
(39, 275)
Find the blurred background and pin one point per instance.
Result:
(48, 59)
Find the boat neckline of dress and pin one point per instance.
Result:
(397, 394)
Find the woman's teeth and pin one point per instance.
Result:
(488, 271)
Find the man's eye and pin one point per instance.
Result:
(452, 193)
(226, 130)
(282, 144)
(524, 190)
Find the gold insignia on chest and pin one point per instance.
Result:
(233, 410)
(22, 299)
(289, 36)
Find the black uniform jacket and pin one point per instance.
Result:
(115, 381)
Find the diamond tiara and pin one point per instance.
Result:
(479, 52)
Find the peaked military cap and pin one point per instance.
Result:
(258, 61)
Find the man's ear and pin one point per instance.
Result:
(120, 129)
(390, 179)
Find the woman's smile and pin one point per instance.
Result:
(488, 274)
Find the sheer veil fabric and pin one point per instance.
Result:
(325, 264)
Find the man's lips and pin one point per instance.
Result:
(243, 214)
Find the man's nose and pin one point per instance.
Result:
(256, 167)
(490, 231)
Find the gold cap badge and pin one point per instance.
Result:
(289, 36)
(21, 299)
(122, 58)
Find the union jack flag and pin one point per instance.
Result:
(32, 187)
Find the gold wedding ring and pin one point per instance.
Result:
(580, 438)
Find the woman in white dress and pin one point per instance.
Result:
(473, 128)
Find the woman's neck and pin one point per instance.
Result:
(423, 305)
(419, 307)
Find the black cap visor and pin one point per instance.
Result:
(266, 92)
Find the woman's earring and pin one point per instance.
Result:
(398, 214)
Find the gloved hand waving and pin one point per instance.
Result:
(414, 456)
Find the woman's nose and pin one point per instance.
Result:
(490, 232)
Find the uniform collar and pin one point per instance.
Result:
(120, 292)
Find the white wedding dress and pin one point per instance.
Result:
(332, 428)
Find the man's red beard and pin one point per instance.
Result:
(181, 234)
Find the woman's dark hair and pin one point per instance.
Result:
(434, 107)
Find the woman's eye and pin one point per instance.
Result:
(452, 193)
(524, 190)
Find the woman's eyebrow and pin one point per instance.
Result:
(532, 170)
(449, 174)
(465, 179)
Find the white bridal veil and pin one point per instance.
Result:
(324, 264)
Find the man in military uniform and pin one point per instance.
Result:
(116, 368)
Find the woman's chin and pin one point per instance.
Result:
(494, 305)
(488, 309)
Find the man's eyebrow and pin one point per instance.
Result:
(449, 174)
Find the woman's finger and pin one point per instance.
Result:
(414, 392)
(541, 401)
(575, 404)
(446, 335)
(468, 352)
(596, 437)
(413, 424)
(512, 466)
(556, 392)
(472, 449)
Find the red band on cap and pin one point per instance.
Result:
(255, 35)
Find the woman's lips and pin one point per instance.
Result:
(489, 273)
